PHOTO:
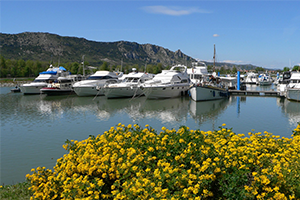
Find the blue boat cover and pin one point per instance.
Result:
(48, 72)
(54, 71)
(62, 68)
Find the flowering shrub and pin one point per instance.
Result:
(137, 163)
(296, 130)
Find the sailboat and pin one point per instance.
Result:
(209, 88)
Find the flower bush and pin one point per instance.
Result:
(130, 162)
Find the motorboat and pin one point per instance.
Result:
(16, 89)
(229, 81)
(197, 72)
(251, 78)
(129, 86)
(293, 88)
(44, 78)
(168, 84)
(93, 85)
(278, 78)
(283, 81)
(62, 86)
(210, 88)
(264, 79)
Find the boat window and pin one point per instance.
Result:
(100, 77)
(127, 79)
(65, 80)
(41, 80)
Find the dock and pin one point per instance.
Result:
(254, 93)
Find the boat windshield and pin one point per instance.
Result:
(100, 77)
(41, 80)
(131, 79)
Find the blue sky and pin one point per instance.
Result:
(263, 33)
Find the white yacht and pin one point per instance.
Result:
(44, 79)
(129, 87)
(251, 78)
(93, 85)
(197, 72)
(62, 86)
(210, 88)
(293, 88)
(264, 79)
(283, 81)
(168, 84)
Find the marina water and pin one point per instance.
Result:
(34, 128)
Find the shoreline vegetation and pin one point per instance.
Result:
(131, 162)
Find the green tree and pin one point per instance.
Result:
(74, 68)
(296, 68)
(3, 67)
(259, 69)
(209, 67)
(285, 69)
(104, 66)
(234, 70)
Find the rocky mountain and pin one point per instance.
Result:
(46, 46)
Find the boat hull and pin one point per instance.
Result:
(264, 83)
(164, 92)
(293, 94)
(88, 91)
(122, 92)
(15, 90)
(32, 88)
(50, 91)
(206, 93)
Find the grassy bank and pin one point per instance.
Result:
(11, 82)
(15, 192)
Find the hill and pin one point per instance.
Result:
(47, 47)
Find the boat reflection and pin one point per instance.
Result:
(173, 110)
(207, 110)
(166, 110)
(291, 109)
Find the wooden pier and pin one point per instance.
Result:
(254, 93)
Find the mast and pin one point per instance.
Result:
(214, 57)
(83, 66)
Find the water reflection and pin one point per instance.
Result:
(39, 107)
(207, 110)
(291, 109)
(166, 110)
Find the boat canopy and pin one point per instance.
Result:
(49, 72)
(62, 68)
(54, 70)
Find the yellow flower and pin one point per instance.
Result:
(224, 124)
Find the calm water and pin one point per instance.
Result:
(34, 128)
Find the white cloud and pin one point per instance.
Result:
(174, 11)
(233, 61)
(216, 35)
